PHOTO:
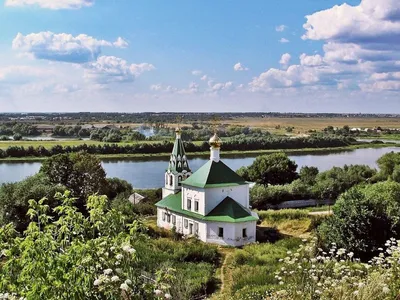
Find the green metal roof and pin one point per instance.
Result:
(178, 161)
(227, 211)
(214, 174)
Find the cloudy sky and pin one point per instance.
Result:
(190, 55)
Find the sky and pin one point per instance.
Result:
(200, 56)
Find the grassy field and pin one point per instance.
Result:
(303, 125)
(253, 266)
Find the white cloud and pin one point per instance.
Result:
(220, 86)
(120, 43)
(204, 77)
(283, 41)
(108, 69)
(285, 59)
(281, 28)
(197, 72)
(311, 60)
(240, 67)
(361, 51)
(370, 22)
(21, 73)
(379, 86)
(61, 47)
(52, 4)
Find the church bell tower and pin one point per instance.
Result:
(178, 167)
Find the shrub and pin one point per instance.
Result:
(364, 218)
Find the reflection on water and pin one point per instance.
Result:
(148, 172)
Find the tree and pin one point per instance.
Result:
(273, 169)
(75, 257)
(80, 172)
(17, 137)
(243, 172)
(14, 198)
(388, 162)
(364, 218)
(308, 174)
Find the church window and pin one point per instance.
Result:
(185, 222)
(189, 204)
(196, 228)
(244, 232)
(168, 218)
(163, 216)
(173, 219)
(221, 232)
(166, 179)
(171, 180)
(179, 180)
(196, 205)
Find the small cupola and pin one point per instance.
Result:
(215, 143)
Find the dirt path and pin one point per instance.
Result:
(225, 274)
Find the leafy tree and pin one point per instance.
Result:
(14, 199)
(364, 218)
(330, 184)
(308, 174)
(388, 162)
(116, 186)
(75, 257)
(17, 137)
(243, 172)
(80, 172)
(273, 169)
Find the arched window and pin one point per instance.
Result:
(179, 180)
(166, 179)
(171, 180)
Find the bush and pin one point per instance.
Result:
(364, 218)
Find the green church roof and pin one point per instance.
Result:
(214, 174)
(227, 211)
(178, 161)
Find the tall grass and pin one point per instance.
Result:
(283, 214)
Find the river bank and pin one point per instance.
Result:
(147, 156)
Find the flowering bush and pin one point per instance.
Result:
(311, 273)
(75, 257)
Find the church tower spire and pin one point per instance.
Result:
(178, 167)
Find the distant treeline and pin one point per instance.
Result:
(237, 143)
(170, 116)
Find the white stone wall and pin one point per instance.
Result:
(214, 196)
(180, 223)
(233, 233)
(195, 194)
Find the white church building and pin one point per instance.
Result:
(212, 203)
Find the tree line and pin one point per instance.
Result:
(232, 144)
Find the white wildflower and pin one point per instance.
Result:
(119, 256)
(115, 278)
(124, 287)
(167, 296)
(128, 281)
(107, 271)
(126, 248)
(158, 292)
(97, 282)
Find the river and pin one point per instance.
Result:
(150, 173)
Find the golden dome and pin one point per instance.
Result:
(178, 130)
(215, 141)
